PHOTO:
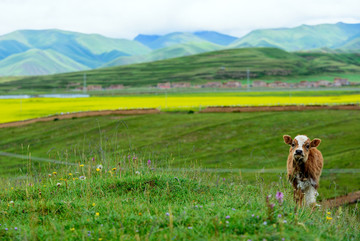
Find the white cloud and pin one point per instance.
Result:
(127, 18)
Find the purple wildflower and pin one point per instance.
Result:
(265, 223)
(189, 227)
(224, 179)
(227, 217)
(252, 215)
(272, 205)
(285, 221)
(93, 159)
(16, 228)
(167, 214)
(233, 209)
(257, 217)
(280, 197)
(6, 229)
(279, 216)
(149, 162)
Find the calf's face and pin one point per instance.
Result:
(300, 146)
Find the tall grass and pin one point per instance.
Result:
(127, 197)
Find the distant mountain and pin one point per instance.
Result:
(146, 39)
(89, 51)
(304, 37)
(351, 44)
(172, 51)
(38, 62)
(215, 37)
(172, 39)
(9, 47)
(158, 41)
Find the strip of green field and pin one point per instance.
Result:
(232, 140)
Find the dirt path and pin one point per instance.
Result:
(278, 108)
(351, 198)
(81, 114)
(156, 111)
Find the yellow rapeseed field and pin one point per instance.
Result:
(22, 109)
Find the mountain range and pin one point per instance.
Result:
(40, 52)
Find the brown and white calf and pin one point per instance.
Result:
(304, 166)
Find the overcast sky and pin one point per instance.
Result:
(127, 18)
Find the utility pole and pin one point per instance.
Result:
(84, 83)
(248, 79)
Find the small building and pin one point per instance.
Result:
(181, 85)
(165, 85)
(212, 85)
(232, 84)
(116, 87)
(341, 82)
(279, 84)
(324, 83)
(259, 83)
(94, 87)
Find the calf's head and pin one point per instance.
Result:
(300, 146)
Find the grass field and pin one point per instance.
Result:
(131, 197)
(130, 200)
(228, 141)
(22, 109)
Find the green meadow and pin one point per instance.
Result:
(213, 140)
(174, 176)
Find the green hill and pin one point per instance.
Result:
(303, 37)
(177, 50)
(264, 63)
(38, 62)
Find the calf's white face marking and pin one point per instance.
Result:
(301, 140)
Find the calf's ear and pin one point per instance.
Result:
(315, 143)
(287, 139)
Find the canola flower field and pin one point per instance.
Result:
(22, 109)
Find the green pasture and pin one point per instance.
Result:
(213, 140)
(130, 199)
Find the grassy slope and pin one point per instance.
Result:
(153, 205)
(246, 140)
(264, 63)
(177, 50)
(38, 62)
